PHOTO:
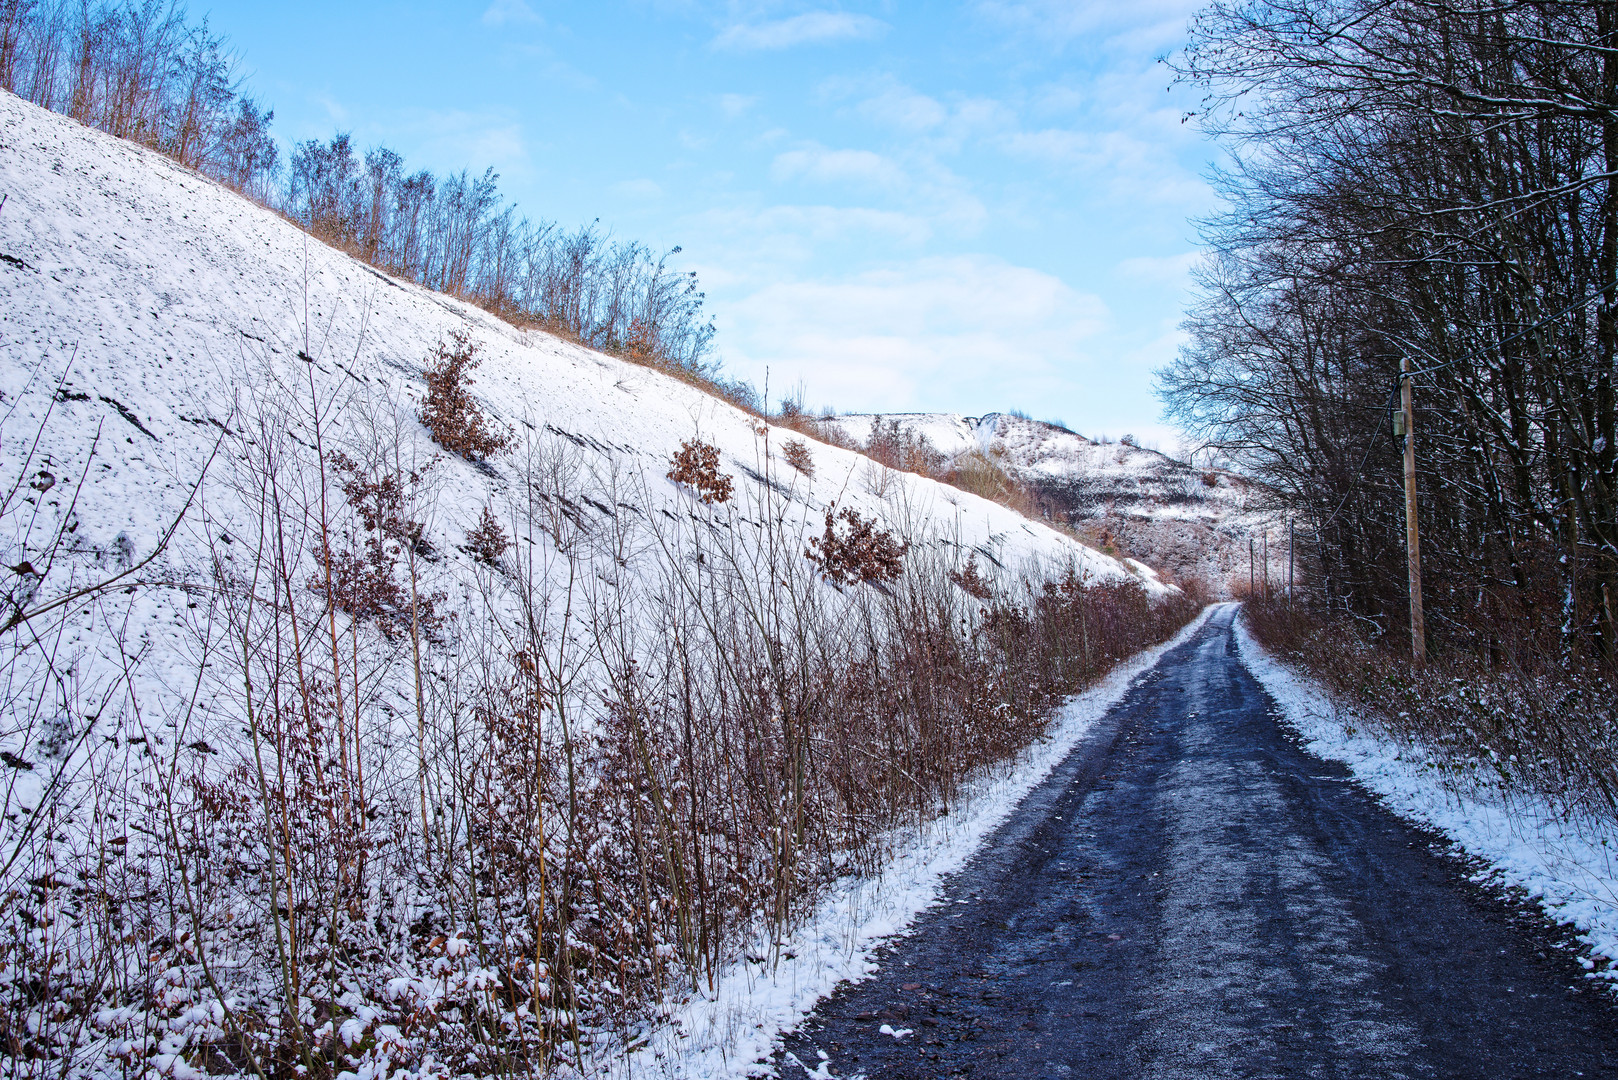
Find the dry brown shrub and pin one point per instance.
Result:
(970, 580)
(796, 452)
(903, 449)
(487, 541)
(793, 417)
(449, 411)
(696, 464)
(978, 475)
(359, 575)
(862, 553)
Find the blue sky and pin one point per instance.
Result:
(969, 206)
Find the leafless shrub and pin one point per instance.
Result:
(449, 410)
(860, 553)
(657, 743)
(696, 465)
(970, 580)
(903, 449)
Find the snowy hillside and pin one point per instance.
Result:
(155, 296)
(1178, 519)
(367, 728)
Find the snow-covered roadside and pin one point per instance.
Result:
(726, 1033)
(1569, 867)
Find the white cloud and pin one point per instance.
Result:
(1134, 167)
(642, 189)
(966, 332)
(734, 105)
(905, 109)
(862, 167)
(503, 12)
(453, 139)
(1140, 24)
(810, 28)
(1172, 270)
(750, 244)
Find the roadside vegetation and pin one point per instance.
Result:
(1430, 184)
(1525, 725)
(401, 809)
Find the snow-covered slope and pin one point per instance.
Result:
(170, 352)
(155, 295)
(1179, 519)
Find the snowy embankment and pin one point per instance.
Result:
(409, 725)
(159, 298)
(728, 1032)
(1569, 866)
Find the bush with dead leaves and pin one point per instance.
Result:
(861, 552)
(796, 451)
(450, 412)
(696, 465)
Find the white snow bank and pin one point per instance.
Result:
(1569, 866)
(728, 1033)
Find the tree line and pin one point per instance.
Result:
(1431, 182)
(141, 70)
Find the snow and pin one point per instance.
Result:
(157, 296)
(1569, 866)
(145, 309)
(1164, 511)
(142, 305)
(729, 1032)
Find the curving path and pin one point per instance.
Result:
(1190, 895)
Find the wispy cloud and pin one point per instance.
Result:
(451, 139)
(642, 190)
(900, 107)
(1138, 24)
(810, 28)
(1173, 270)
(505, 12)
(759, 243)
(734, 105)
(862, 167)
(929, 333)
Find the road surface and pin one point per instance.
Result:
(1191, 895)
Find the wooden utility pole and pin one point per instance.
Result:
(1418, 624)
(1252, 571)
(1292, 561)
(1266, 564)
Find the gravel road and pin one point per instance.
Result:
(1192, 895)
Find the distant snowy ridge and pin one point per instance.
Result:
(1184, 520)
